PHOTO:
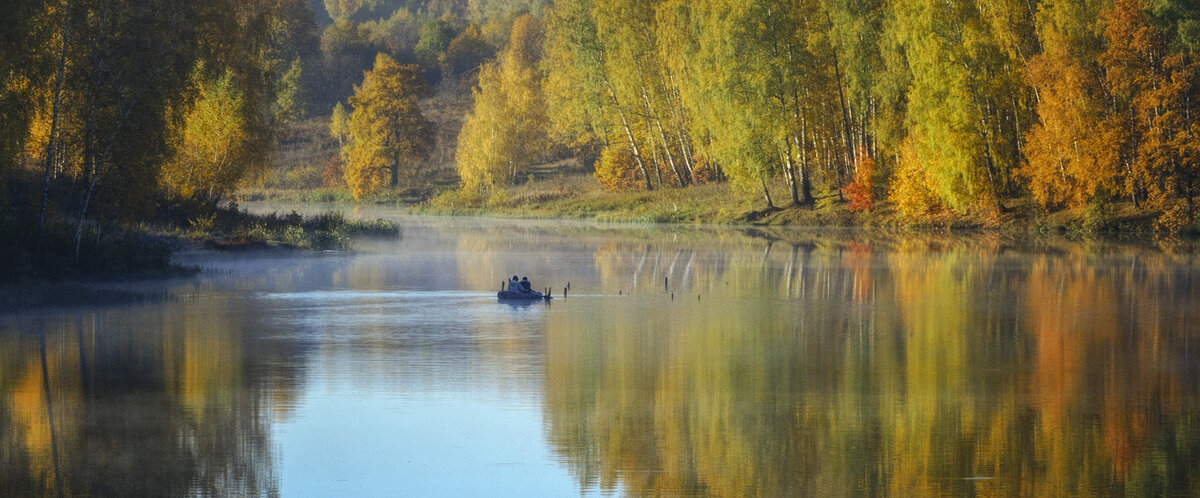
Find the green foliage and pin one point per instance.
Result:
(434, 39)
(289, 102)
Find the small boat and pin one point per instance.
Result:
(505, 295)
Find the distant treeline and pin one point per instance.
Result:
(939, 106)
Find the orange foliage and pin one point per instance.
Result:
(332, 174)
(705, 171)
(861, 191)
(1069, 152)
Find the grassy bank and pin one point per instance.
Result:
(232, 228)
(578, 196)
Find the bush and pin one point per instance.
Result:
(615, 170)
(331, 172)
(458, 199)
(861, 191)
(910, 189)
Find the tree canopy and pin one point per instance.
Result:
(388, 134)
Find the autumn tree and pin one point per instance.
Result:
(608, 86)
(339, 124)
(962, 117)
(1154, 92)
(212, 155)
(1069, 153)
(573, 86)
(387, 130)
(466, 52)
(505, 132)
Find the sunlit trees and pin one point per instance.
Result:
(213, 151)
(1069, 152)
(1154, 94)
(339, 124)
(762, 75)
(386, 128)
(609, 85)
(506, 131)
(963, 102)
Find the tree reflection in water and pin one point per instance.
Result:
(684, 362)
(936, 367)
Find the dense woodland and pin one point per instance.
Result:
(939, 107)
(116, 113)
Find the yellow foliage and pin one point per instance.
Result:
(1069, 153)
(213, 149)
(386, 129)
(911, 189)
(506, 130)
(615, 170)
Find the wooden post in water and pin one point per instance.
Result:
(565, 292)
(665, 279)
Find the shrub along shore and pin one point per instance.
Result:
(66, 251)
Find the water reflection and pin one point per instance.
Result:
(852, 368)
(93, 409)
(683, 362)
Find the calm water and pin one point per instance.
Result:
(789, 363)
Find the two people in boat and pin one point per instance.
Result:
(522, 285)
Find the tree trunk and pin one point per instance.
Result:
(58, 88)
(789, 173)
(766, 193)
(837, 74)
(681, 131)
(662, 136)
(637, 152)
(805, 178)
(395, 170)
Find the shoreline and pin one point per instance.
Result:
(577, 197)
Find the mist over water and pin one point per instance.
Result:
(683, 361)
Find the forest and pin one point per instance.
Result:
(119, 115)
(934, 106)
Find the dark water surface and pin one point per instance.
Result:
(782, 364)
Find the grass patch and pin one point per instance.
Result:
(232, 228)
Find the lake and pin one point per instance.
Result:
(682, 361)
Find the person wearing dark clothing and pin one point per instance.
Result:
(526, 285)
